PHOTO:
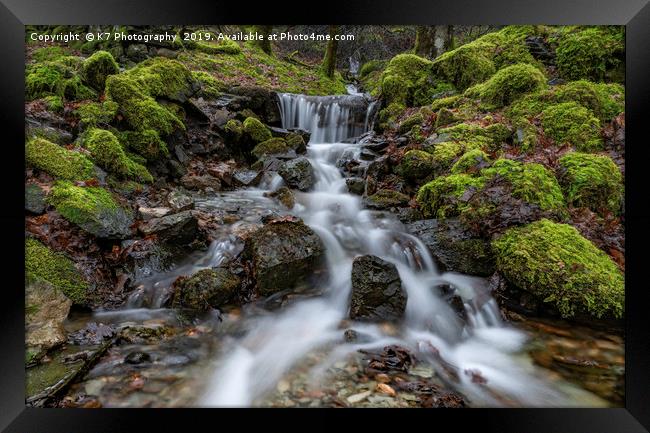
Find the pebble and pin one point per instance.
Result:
(357, 398)
(283, 386)
(386, 389)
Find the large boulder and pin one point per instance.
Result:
(283, 254)
(298, 173)
(376, 290)
(208, 288)
(46, 308)
(453, 247)
(180, 228)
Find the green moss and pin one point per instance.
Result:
(385, 198)
(388, 116)
(43, 264)
(145, 143)
(416, 165)
(54, 103)
(446, 152)
(164, 77)
(234, 129)
(48, 53)
(444, 117)
(471, 162)
(593, 53)
(295, 141)
(96, 113)
(447, 102)
(109, 154)
(372, 66)
(97, 67)
(210, 87)
(223, 46)
(408, 123)
(555, 263)
(604, 100)
(440, 198)
(508, 84)
(571, 123)
(256, 130)
(57, 161)
(474, 136)
(408, 80)
(270, 147)
(592, 181)
(530, 182)
(56, 78)
(467, 65)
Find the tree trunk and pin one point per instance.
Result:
(329, 61)
(443, 40)
(264, 43)
(424, 39)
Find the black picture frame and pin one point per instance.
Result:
(635, 14)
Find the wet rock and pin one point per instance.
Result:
(147, 213)
(247, 177)
(200, 182)
(208, 288)
(453, 247)
(377, 293)
(222, 171)
(180, 228)
(179, 201)
(376, 147)
(92, 334)
(51, 132)
(368, 155)
(262, 101)
(283, 254)
(34, 199)
(46, 308)
(137, 358)
(298, 173)
(137, 52)
(386, 199)
(284, 196)
(356, 185)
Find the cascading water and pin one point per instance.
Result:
(458, 350)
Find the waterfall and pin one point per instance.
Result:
(251, 365)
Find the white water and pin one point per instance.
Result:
(251, 366)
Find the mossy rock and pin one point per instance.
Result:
(489, 137)
(592, 181)
(410, 122)
(296, 142)
(388, 115)
(273, 146)
(256, 130)
(387, 198)
(445, 153)
(210, 86)
(208, 288)
(234, 129)
(91, 208)
(165, 78)
(223, 45)
(108, 153)
(147, 144)
(444, 117)
(58, 161)
(507, 85)
(440, 198)
(97, 67)
(54, 103)
(96, 113)
(471, 162)
(416, 165)
(465, 66)
(571, 123)
(556, 264)
(407, 80)
(58, 77)
(530, 182)
(43, 264)
(594, 53)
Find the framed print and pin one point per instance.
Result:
(423, 206)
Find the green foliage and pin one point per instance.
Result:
(416, 165)
(256, 130)
(147, 144)
(530, 182)
(508, 84)
(54, 103)
(555, 263)
(593, 53)
(97, 67)
(571, 123)
(57, 161)
(96, 113)
(471, 162)
(43, 264)
(592, 181)
(107, 152)
(440, 197)
(271, 146)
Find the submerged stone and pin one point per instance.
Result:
(377, 293)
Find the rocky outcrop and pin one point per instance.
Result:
(298, 173)
(208, 288)
(283, 254)
(377, 293)
(180, 228)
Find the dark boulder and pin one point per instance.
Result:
(298, 173)
(356, 185)
(262, 101)
(34, 199)
(283, 254)
(453, 247)
(208, 288)
(180, 228)
(377, 293)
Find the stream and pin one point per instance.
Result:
(247, 356)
